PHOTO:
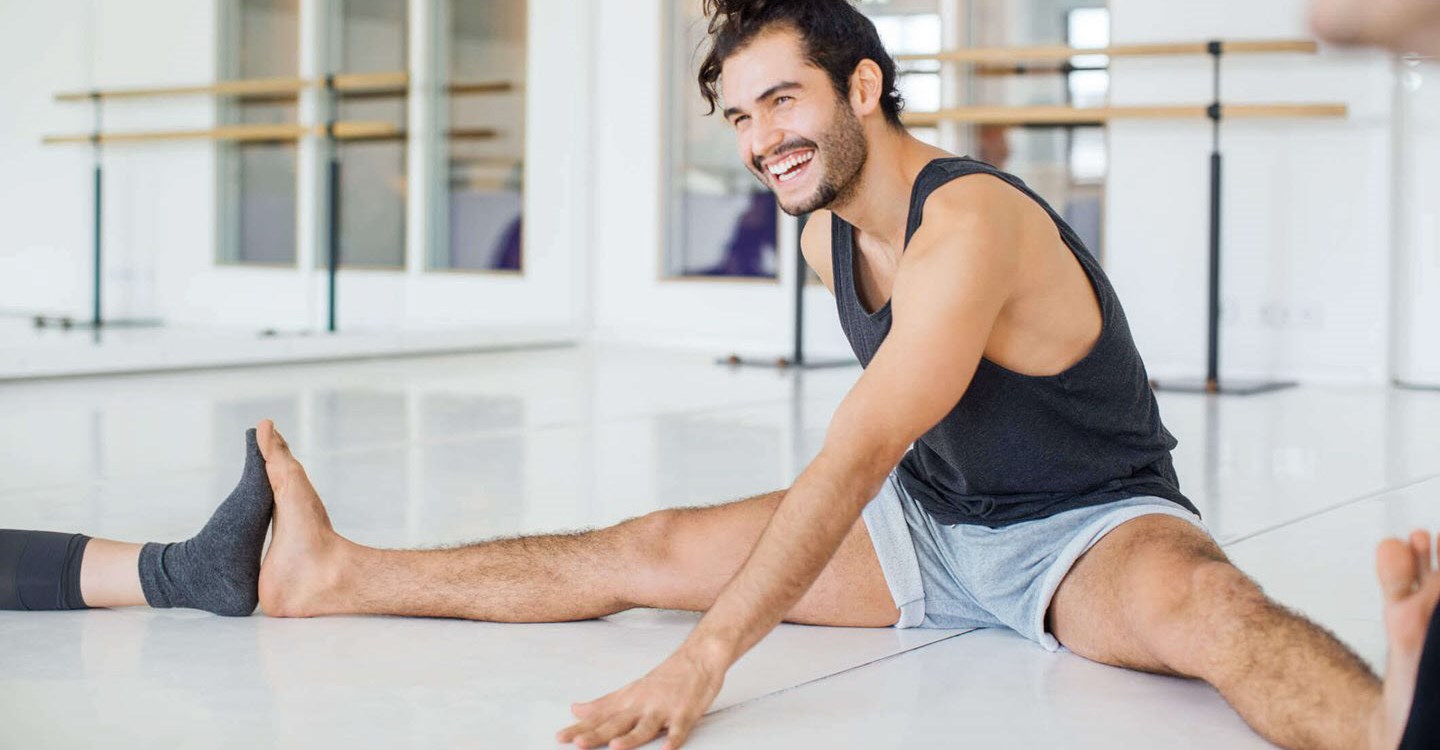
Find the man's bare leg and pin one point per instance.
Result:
(678, 558)
(1158, 595)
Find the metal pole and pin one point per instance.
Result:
(332, 257)
(1212, 369)
(95, 315)
(798, 355)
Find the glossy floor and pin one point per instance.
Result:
(1299, 485)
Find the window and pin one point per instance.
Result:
(372, 39)
(1088, 85)
(486, 145)
(722, 221)
(257, 183)
(916, 31)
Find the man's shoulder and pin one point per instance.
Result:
(815, 237)
(980, 213)
(817, 230)
(976, 201)
(815, 245)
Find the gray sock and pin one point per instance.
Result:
(217, 570)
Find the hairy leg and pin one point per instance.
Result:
(1158, 595)
(678, 558)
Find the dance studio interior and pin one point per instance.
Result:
(554, 342)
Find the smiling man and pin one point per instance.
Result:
(1001, 462)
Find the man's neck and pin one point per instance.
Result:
(880, 203)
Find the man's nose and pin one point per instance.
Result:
(765, 138)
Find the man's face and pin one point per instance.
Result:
(794, 133)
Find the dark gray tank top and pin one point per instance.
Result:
(1020, 447)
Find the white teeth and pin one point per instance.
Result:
(786, 165)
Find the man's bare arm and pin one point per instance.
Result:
(951, 286)
(952, 283)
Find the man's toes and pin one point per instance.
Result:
(1395, 566)
(272, 444)
(1420, 544)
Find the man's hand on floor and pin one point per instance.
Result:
(671, 698)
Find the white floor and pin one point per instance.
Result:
(27, 351)
(1299, 485)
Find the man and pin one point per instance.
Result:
(1400, 25)
(1000, 462)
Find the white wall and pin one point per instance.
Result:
(1306, 243)
(44, 192)
(1417, 224)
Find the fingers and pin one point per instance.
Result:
(1395, 566)
(595, 733)
(641, 734)
(614, 727)
(679, 733)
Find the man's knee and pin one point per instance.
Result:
(1187, 615)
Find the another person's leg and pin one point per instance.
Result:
(1401, 25)
(1157, 594)
(216, 570)
(675, 559)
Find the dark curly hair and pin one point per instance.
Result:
(835, 35)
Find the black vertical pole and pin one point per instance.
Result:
(95, 314)
(1212, 367)
(333, 251)
(333, 254)
(798, 356)
(95, 320)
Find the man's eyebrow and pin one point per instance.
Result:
(766, 94)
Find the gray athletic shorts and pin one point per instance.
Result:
(969, 576)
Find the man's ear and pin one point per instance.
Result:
(866, 88)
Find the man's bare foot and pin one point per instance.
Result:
(1411, 588)
(303, 569)
(1401, 25)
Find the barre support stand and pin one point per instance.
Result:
(97, 317)
(332, 254)
(1212, 382)
(797, 357)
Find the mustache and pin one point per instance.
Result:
(790, 145)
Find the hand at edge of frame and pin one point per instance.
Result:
(671, 698)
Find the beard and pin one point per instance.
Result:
(841, 152)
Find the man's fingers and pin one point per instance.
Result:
(641, 734)
(679, 733)
(564, 736)
(611, 728)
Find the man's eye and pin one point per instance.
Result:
(783, 99)
(740, 119)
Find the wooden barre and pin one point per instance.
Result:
(252, 86)
(365, 82)
(344, 131)
(1061, 52)
(1059, 115)
(353, 130)
(397, 82)
(455, 134)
